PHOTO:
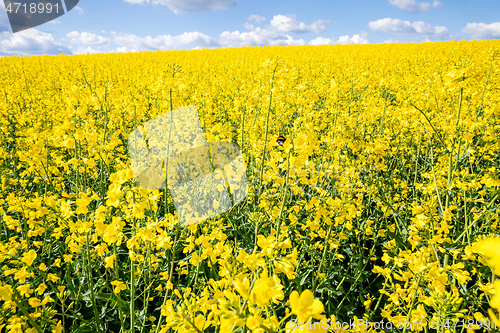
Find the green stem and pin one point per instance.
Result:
(120, 310)
(429, 121)
(168, 150)
(416, 165)
(466, 217)
(479, 217)
(132, 278)
(267, 130)
(485, 84)
(383, 118)
(326, 245)
(450, 160)
(285, 187)
(250, 290)
(148, 289)
(91, 285)
(412, 302)
(380, 296)
(435, 181)
(242, 125)
(284, 318)
(357, 278)
(170, 275)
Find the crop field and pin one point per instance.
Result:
(379, 212)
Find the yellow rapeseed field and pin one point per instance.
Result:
(379, 211)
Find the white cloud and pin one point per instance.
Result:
(280, 30)
(163, 42)
(124, 49)
(397, 26)
(78, 9)
(411, 6)
(253, 18)
(322, 41)
(256, 37)
(355, 39)
(256, 18)
(249, 26)
(272, 34)
(483, 30)
(288, 23)
(388, 41)
(361, 38)
(187, 6)
(276, 33)
(30, 42)
(85, 50)
(86, 38)
(137, 2)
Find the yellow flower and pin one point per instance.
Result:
(59, 328)
(119, 286)
(266, 289)
(253, 322)
(41, 288)
(109, 261)
(490, 248)
(25, 290)
(495, 300)
(23, 274)
(201, 323)
(34, 302)
(57, 263)
(29, 257)
(52, 277)
(5, 293)
(83, 202)
(305, 306)
(242, 284)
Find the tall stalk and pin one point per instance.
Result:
(450, 160)
(412, 302)
(88, 269)
(267, 130)
(169, 275)
(132, 279)
(283, 199)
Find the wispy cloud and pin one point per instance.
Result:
(288, 23)
(30, 42)
(86, 38)
(413, 6)
(397, 26)
(132, 42)
(483, 30)
(189, 6)
(361, 38)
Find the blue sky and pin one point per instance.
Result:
(133, 25)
